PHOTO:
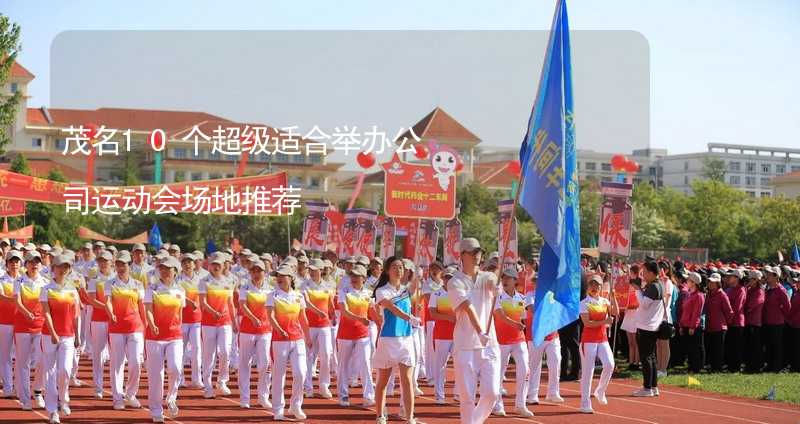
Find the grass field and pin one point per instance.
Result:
(755, 386)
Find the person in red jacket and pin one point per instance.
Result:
(718, 314)
(734, 338)
(753, 306)
(793, 323)
(690, 330)
(776, 310)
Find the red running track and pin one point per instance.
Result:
(675, 405)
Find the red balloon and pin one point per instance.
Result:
(632, 166)
(90, 131)
(514, 167)
(420, 151)
(366, 160)
(618, 161)
(459, 166)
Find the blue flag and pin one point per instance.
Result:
(154, 239)
(795, 253)
(550, 189)
(211, 247)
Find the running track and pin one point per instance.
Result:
(675, 405)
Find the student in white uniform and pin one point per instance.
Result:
(216, 301)
(441, 314)
(255, 335)
(98, 330)
(8, 308)
(355, 304)
(28, 321)
(597, 313)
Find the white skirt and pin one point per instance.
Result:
(629, 320)
(392, 351)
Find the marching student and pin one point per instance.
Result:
(319, 311)
(718, 314)
(8, 308)
(776, 310)
(509, 314)
(98, 330)
(352, 339)
(124, 296)
(476, 352)
(629, 319)
(189, 281)
(290, 335)
(61, 308)
(431, 284)
(216, 302)
(255, 335)
(441, 312)
(596, 313)
(164, 301)
(753, 315)
(75, 280)
(28, 321)
(141, 270)
(690, 329)
(550, 347)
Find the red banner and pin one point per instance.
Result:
(336, 223)
(18, 234)
(452, 236)
(410, 229)
(418, 191)
(11, 207)
(428, 236)
(387, 238)
(315, 227)
(364, 241)
(86, 233)
(616, 219)
(507, 236)
(256, 195)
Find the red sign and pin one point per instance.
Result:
(616, 220)
(20, 233)
(418, 191)
(11, 207)
(86, 233)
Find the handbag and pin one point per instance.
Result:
(665, 330)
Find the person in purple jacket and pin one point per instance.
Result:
(793, 323)
(718, 314)
(776, 310)
(690, 330)
(753, 307)
(734, 338)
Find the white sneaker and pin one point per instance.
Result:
(503, 391)
(554, 399)
(172, 409)
(345, 401)
(309, 393)
(298, 413)
(264, 402)
(224, 389)
(244, 405)
(661, 374)
(208, 394)
(418, 391)
(75, 382)
(643, 393)
(26, 407)
(39, 399)
(656, 392)
(523, 412)
(133, 402)
(441, 401)
(499, 413)
(411, 421)
(98, 394)
(325, 394)
(368, 403)
(380, 420)
(66, 410)
(119, 406)
(54, 419)
(601, 397)
(197, 386)
(534, 401)
(158, 419)
(280, 417)
(587, 410)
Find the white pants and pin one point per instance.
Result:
(443, 350)
(334, 353)
(6, 347)
(430, 375)
(99, 343)
(473, 367)
(285, 353)
(373, 337)
(254, 347)
(159, 351)
(58, 360)
(551, 348)
(322, 347)
(216, 340)
(590, 351)
(355, 362)
(234, 356)
(520, 353)
(418, 334)
(130, 347)
(86, 329)
(192, 349)
(28, 352)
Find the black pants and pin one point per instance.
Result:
(677, 352)
(647, 351)
(715, 349)
(794, 336)
(734, 345)
(752, 353)
(694, 348)
(570, 351)
(773, 346)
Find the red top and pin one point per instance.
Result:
(737, 296)
(794, 313)
(7, 307)
(718, 311)
(597, 308)
(319, 295)
(29, 290)
(776, 306)
(190, 287)
(256, 300)
(442, 329)
(358, 303)
(753, 306)
(168, 303)
(62, 302)
(287, 308)
(513, 306)
(692, 309)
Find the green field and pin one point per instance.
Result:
(755, 386)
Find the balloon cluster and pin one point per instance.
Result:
(514, 168)
(623, 164)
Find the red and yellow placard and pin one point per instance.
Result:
(418, 191)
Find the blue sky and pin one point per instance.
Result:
(722, 70)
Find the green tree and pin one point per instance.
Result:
(713, 215)
(474, 197)
(9, 48)
(482, 226)
(714, 169)
(20, 165)
(648, 227)
(590, 202)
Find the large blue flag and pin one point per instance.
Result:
(154, 239)
(549, 190)
(796, 253)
